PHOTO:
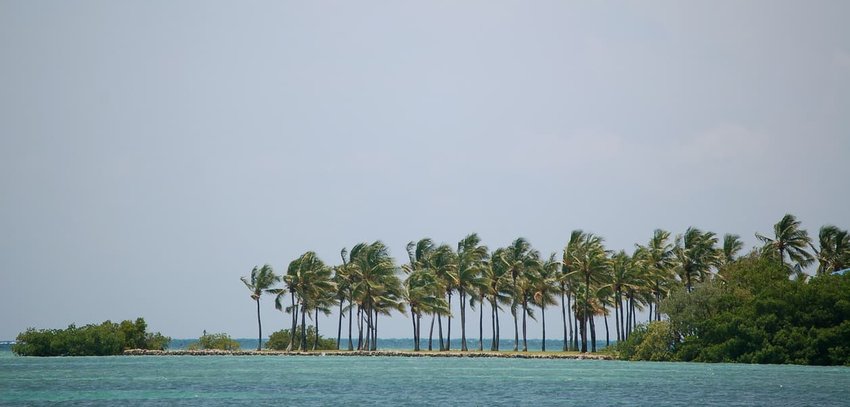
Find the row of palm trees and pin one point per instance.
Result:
(588, 281)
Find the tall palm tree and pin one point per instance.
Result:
(376, 289)
(261, 280)
(519, 257)
(696, 254)
(498, 289)
(423, 295)
(834, 252)
(788, 239)
(544, 286)
(567, 282)
(471, 255)
(589, 260)
(657, 260)
(444, 263)
(311, 289)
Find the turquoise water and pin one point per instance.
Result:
(407, 344)
(316, 380)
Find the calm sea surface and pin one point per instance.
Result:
(270, 380)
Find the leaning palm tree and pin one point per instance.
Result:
(261, 280)
(471, 255)
(309, 282)
(788, 238)
(834, 252)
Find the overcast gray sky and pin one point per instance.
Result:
(153, 152)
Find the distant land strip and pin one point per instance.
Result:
(511, 355)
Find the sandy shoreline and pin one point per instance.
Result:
(452, 354)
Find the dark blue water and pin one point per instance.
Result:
(336, 380)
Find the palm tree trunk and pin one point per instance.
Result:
(294, 325)
(350, 344)
(339, 329)
(586, 315)
(607, 334)
(516, 330)
(571, 320)
(316, 337)
(416, 329)
(498, 330)
(624, 335)
(303, 346)
(481, 324)
(449, 325)
(462, 298)
(431, 334)
(375, 337)
(413, 320)
(440, 326)
(524, 339)
(564, 317)
(617, 316)
(260, 326)
(359, 327)
(492, 328)
(592, 335)
(543, 321)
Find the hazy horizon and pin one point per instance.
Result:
(151, 153)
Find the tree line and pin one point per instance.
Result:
(588, 282)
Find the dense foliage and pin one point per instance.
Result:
(697, 275)
(220, 341)
(752, 313)
(281, 339)
(107, 338)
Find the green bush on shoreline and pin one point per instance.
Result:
(220, 341)
(280, 340)
(107, 338)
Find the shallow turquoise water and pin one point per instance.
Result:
(270, 380)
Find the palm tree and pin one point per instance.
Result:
(544, 286)
(444, 263)
(657, 260)
(789, 239)
(423, 295)
(376, 288)
(567, 283)
(497, 289)
(732, 244)
(696, 254)
(588, 260)
(471, 254)
(621, 278)
(261, 280)
(834, 253)
(309, 282)
(519, 257)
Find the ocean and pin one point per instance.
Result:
(327, 380)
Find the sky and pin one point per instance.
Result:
(153, 152)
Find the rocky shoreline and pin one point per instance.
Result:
(380, 353)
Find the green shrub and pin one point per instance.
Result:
(219, 341)
(655, 342)
(280, 340)
(108, 338)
